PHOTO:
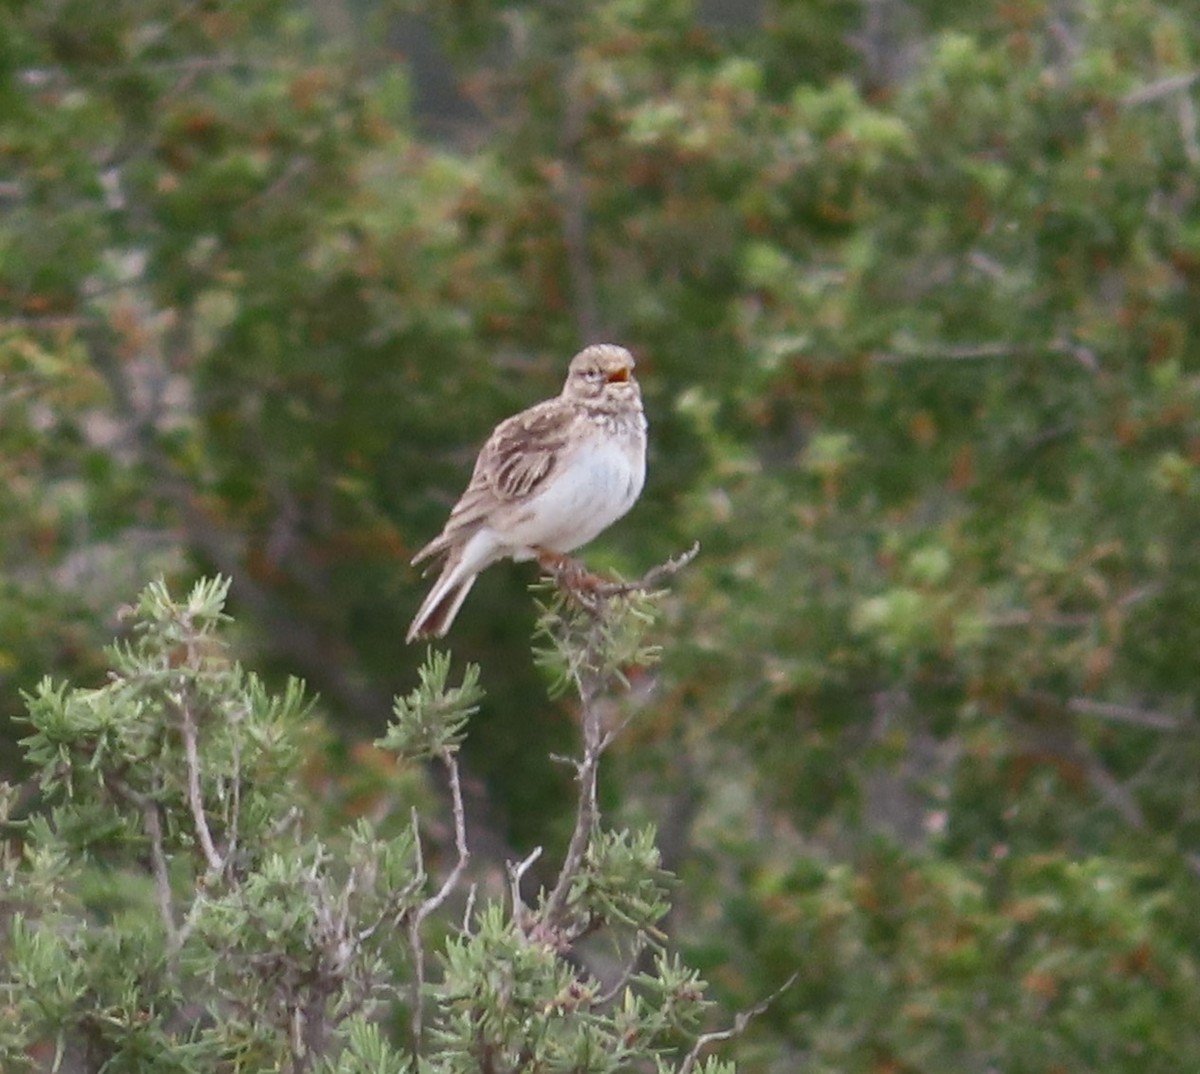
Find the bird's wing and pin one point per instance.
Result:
(514, 464)
(523, 451)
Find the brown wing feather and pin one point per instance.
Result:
(516, 459)
(523, 450)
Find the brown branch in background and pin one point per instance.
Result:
(1129, 714)
(915, 351)
(1164, 87)
(1118, 796)
(1061, 743)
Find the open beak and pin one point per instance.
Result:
(619, 376)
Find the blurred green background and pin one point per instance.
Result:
(913, 288)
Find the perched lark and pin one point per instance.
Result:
(547, 481)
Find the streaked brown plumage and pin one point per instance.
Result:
(548, 480)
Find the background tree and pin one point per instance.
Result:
(912, 288)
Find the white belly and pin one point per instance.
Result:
(600, 486)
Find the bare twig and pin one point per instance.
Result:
(516, 873)
(550, 921)
(436, 899)
(740, 1022)
(158, 857)
(158, 864)
(460, 843)
(652, 577)
(639, 946)
(1113, 791)
(216, 863)
(469, 909)
(1020, 617)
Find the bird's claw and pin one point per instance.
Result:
(570, 573)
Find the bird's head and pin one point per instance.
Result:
(602, 372)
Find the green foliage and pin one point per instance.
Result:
(912, 288)
(580, 647)
(517, 1005)
(432, 720)
(171, 908)
(621, 881)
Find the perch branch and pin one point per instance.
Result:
(590, 590)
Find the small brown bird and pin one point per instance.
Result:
(547, 481)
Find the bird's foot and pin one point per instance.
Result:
(569, 573)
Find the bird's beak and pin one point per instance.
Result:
(619, 376)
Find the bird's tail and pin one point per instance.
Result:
(440, 607)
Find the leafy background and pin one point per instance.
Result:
(913, 291)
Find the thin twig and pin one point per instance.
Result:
(1113, 791)
(393, 910)
(469, 909)
(235, 799)
(158, 858)
(162, 879)
(418, 949)
(1062, 741)
(516, 872)
(740, 1022)
(436, 899)
(655, 575)
(216, 863)
(586, 816)
(639, 945)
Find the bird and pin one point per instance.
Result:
(547, 481)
